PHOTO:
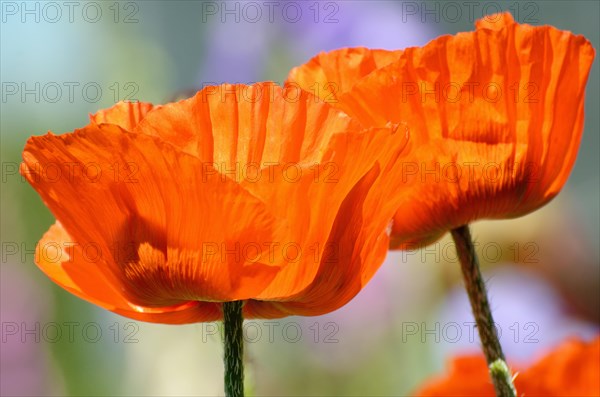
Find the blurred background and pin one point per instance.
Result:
(61, 61)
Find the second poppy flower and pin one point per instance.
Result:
(496, 118)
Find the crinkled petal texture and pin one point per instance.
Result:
(496, 117)
(256, 193)
(573, 369)
(333, 73)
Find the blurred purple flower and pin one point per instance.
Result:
(528, 312)
(241, 43)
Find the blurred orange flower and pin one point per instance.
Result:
(573, 369)
(496, 117)
(254, 193)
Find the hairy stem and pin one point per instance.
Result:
(499, 371)
(233, 349)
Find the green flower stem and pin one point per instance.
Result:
(233, 357)
(499, 371)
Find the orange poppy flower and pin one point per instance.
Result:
(496, 117)
(255, 193)
(573, 369)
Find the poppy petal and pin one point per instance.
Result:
(293, 146)
(339, 276)
(357, 242)
(331, 73)
(126, 115)
(77, 270)
(512, 91)
(157, 228)
(572, 369)
(319, 204)
(495, 21)
(263, 125)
